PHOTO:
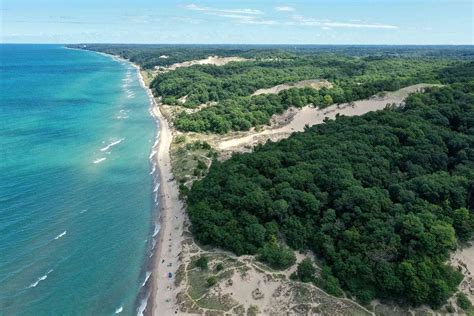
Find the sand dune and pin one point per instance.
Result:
(309, 115)
(314, 83)
(211, 60)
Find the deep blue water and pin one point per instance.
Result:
(76, 204)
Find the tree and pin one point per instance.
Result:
(329, 283)
(328, 100)
(306, 270)
(463, 224)
(277, 256)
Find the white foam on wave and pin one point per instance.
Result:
(153, 153)
(119, 310)
(142, 307)
(153, 169)
(123, 114)
(146, 278)
(99, 160)
(112, 144)
(157, 230)
(155, 144)
(41, 278)
(83, 211)
(157, 187)
(60, 235)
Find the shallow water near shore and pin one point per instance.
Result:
(76, 195)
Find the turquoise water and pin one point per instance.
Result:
(76, 196)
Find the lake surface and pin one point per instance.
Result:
(76, 195)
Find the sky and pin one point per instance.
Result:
(238, 22)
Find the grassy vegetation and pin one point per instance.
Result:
(202, 276)
(190, 160)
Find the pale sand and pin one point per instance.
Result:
(463, 259)
(211, 60)
(466, 256)
(313, 83)
(309, 115)
(172, 217)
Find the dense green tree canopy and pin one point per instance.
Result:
(382, 198)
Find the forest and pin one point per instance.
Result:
(353, 78)
(381, 199)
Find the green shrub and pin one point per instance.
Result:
(211, 281)
(463, 301)
(202, 262)
(219, 267)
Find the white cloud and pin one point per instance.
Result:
(215, 10)
(186, 19)
(285, 9)
(259, 22)
(243, 16)
(253, 16)
(307, 21)
(354, 25)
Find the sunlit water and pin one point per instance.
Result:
(76, 194)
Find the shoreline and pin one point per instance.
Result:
(168, 209)
(171, 214)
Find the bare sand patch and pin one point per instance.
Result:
(211, 60)
(244, 286)
(309, 115)
(463, 260)
(313, 83)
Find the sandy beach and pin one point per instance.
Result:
(172, 216)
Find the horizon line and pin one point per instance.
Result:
(221, 44)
